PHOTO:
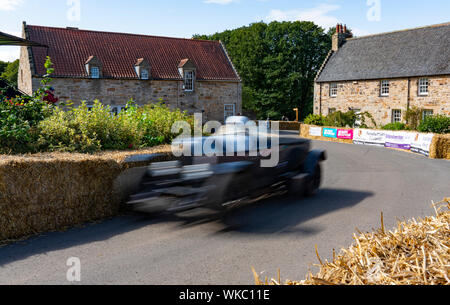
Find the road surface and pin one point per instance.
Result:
(360, 182)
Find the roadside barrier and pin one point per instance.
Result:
(427, 144)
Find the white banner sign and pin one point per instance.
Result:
(399, 139)
(421, 143)
(315, 131)
(369, 137)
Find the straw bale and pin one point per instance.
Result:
(440, 147)
(52, 191)
(304, 133)
(414, 253)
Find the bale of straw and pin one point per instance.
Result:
(304, 133)
(47, 192)
(440, 147)
(415, 253)
(293, 126)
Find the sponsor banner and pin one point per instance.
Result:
(346, 134)
(399, 139)
(369, 137)
(330, 133)
(315, 131)
(421, 143)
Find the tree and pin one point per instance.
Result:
(11, 72)
(3, 66)
(277, 63)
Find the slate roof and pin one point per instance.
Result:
(70, 48)
(409, 53)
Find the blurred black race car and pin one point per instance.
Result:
(218, 182)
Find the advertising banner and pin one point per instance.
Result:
(369, 137)
(421, 143)
(399, 139)
(330, 133)
(346, 134)
(315, 131)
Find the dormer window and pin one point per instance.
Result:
(95, 72)
(142, 68)
(187, 71)
(94, 67)
(189, 80)
(144, 74)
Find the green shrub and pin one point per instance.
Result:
(315, 119)
(413, 117)
(83, 130)
(20, 117)
(395, 126)
(435, 124)
(341, 119)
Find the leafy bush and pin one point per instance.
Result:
(395, 126)
(20, 116)
(435, 124)
(413, 117)
(315, 119)
(341, 119)
(83, 130)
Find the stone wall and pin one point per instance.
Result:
(365, 95)
(210, 96)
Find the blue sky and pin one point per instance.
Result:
(183, 18)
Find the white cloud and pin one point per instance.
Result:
(9, 53)
(9, 5)
(221, 2)
(319, 15)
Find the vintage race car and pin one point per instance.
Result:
(218, 181)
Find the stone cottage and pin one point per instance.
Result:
(386, 74)
(193, 75)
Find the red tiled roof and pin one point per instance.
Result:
(69, 49)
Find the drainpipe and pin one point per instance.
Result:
(408, 104)
(320, 99)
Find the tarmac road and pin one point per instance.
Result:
(360, 182)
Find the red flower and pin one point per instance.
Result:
(50, 97)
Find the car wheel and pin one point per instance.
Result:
(313, 184)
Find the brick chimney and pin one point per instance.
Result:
(340, 37)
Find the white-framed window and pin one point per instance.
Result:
(396, 116)
(331, 110)
(189, 80)
(229, 110)
(95, 72)
(427, 113)
(333, 89)
(424, 83)
(358, 118)
(385, 84)
(115, 110)
(144, 74)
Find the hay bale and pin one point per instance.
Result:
(304, 133)
(46, 192)
(440, 147)
(415, 253)
(293, 126)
